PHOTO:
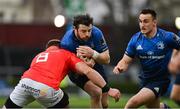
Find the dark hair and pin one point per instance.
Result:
(53, 42)
(149, 11)
(84, 19)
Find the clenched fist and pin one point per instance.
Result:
(115, 93)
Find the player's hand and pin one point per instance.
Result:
(117, 69)
(115, 93)
(120, 67)
(85, 51)
(89, 61)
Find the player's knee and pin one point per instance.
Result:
(132, 103)
(175, 97)
(96, 93)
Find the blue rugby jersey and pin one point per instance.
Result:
(96, 42)
(153, 53)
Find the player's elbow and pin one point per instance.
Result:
(107, 61)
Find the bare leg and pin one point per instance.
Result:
(143, 97)
(95, 93)
(104, 100)
(175, 93)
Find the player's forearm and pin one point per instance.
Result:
(95, 77)
(101, 58)
(174, 64)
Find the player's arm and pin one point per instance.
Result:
(101, 58)
(174, 64)
(97, 79)
(122, 64)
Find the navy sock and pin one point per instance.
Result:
(166, 106)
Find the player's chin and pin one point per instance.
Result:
(144, 30)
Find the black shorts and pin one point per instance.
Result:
(158, 87)
(80, 80)
(177, 80)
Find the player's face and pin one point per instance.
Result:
(147, 23)
(83, 32)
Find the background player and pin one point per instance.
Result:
(174, 67)
(153, 47)
(88, 41)
(41, 81)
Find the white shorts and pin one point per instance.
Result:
(29, 90)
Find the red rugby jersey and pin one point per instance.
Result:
(51, 66)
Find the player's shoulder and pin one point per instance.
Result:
(67, 38)
(68, 34)
(95, 28)
(164, 32)
(96, 32)
(136, 36)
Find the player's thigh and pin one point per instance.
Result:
(144, 96)
(63, 103)
(175, 93)
(48, 96)
(92, 89)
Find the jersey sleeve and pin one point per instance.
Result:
(66, 41)
(100, 44)
(131, 50)
(173, 40)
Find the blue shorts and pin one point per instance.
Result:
(158, 87)
(177, 80)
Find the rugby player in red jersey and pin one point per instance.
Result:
(41, 81)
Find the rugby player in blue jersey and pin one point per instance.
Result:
(87, 40)
(153, 47)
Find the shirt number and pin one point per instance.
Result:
(42, 57)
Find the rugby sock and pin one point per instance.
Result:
(166, 106)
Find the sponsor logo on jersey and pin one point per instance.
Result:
(150, 52)
(139, 47)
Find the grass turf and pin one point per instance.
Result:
(84, 102)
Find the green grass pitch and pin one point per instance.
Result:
(84, 102)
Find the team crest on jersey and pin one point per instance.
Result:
(160, 45)
(139, 47)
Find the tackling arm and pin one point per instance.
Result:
(97, 79)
